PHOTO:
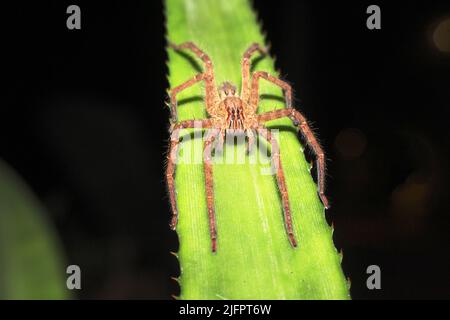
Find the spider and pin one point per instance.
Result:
(228, 111)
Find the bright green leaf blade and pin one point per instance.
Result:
(254, 259)
(30, 259)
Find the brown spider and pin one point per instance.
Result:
(230, 112)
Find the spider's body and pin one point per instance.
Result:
(231, 112)
(236, 118)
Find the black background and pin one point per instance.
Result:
(83, 121)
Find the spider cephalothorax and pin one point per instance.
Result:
(227, 89)
(233, 106)
(230, 111)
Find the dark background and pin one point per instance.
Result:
(83, 121)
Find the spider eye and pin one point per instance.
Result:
(228, 89)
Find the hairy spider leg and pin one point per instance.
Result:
(299, 121)
(211, 94)
(254, 95)
(172, 158)
(177, 90)
(209, 186)
(275, 155)
(251, 140)
(245, 66)
(170, 170)
(220, 141)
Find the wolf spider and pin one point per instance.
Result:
(229, 111)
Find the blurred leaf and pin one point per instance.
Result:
(30, 256)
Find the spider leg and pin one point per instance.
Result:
(173, 94)
(220, 141)
(299, 121)
(251, 140)
(170, 170)
(254, 94)
(275, 155)
(245, 65)
(172, 158)
(211, 94)
(209, 185)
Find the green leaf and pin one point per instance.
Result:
(30, 257)
(254, 259)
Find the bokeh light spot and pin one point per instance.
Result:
(441, 35)
(351, 143)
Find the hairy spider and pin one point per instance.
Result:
(229, 111)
